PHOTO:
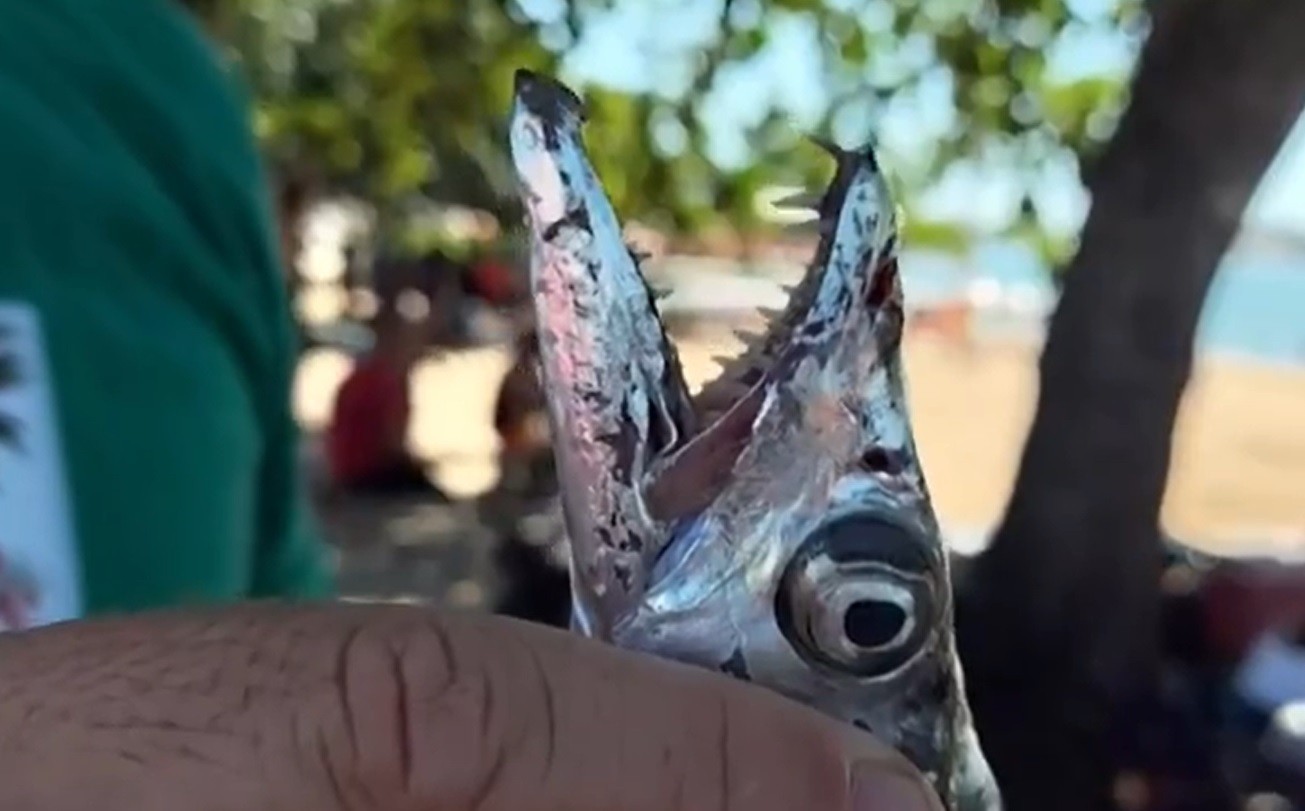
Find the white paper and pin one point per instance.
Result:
(40, 570)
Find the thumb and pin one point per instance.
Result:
(490, 714)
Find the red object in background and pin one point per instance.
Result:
(494, 282)
(371, 410)
(1243, 600)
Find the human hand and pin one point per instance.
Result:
(266, 708)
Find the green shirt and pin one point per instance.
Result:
(151, 453)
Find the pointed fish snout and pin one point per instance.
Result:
(546, 98)
(615, 392)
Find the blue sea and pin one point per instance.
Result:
(1255, 309)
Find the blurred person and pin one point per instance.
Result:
(1271, 675)
(952, 321)
(151, 461)
(291, 205)
(443, 284)
(367, 439)
(351, 276)
(521, 418)
(493, 281)
(153, 456)
(1243, 599)
(292, 199)
(536, 585)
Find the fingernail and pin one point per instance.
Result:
(879, 787)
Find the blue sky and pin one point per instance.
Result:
(1280, 201)
(638, 46)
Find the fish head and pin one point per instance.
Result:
(777, 526)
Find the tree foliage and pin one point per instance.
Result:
(395, 98)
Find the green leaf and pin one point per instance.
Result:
(396, 98)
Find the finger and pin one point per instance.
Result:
(494, 715)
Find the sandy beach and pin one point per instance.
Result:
(1238, 480)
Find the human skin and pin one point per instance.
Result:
(272, 708)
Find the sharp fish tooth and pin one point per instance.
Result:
(800, 201)
(659, 293)
(770, 313)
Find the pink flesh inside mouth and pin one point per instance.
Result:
(728, 405)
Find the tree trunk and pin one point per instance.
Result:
(1062, 619)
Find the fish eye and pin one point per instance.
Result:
(858, 597)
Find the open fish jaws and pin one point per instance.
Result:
(777, 526)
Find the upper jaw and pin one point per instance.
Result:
(616, 395)
(589, 275)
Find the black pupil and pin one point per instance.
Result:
(873, 623)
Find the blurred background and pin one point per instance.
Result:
(1104, 208)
